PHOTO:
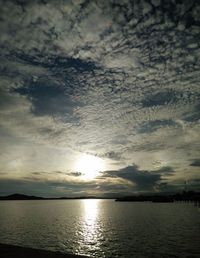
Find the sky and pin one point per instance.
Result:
(99, 98)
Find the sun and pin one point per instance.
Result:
(89, 166)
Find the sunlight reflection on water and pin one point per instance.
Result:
(90, 233)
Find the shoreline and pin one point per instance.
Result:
(14, 251)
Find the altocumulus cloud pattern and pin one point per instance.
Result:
(119, 80)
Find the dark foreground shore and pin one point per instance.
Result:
(11, 251)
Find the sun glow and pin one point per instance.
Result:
(89, 166)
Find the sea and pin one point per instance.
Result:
(103, 228)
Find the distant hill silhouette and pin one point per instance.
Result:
(20, 197)
(184, 196)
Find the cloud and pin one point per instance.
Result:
(166, 170)
(144, 180)
(50, 188)
(49, 100)
(58, 187)
(113, 155)
(160, 98)
(76, 174)
(193, 116)
(114, 79)
(195, 163)
(152, 126)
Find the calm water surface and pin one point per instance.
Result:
(103, 228)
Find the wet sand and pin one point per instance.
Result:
(11, 251)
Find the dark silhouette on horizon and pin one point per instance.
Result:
(18, 196)
(186, 196)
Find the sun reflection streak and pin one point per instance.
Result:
(90, 229)
(90, 220)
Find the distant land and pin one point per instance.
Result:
(189, 196)
(184, 196)
(18, 196)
